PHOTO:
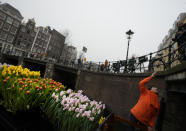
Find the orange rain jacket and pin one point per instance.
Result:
(147, 107)
(106, 63)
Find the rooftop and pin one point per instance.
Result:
(11, 9)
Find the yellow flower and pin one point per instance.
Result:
(30, 73)
(101, 120)
(26, 75)
(3, 73)
(9, 72)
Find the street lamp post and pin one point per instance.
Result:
(129, 34)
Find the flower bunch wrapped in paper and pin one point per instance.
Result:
(70, 110)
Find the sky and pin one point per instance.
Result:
(101, 25)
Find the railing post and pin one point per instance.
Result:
(108, 68)
(125, 69)
(49, 70)
(99, 67)
(150, 63)
(173, 56)
(77, 79)
(21, 59)
(169, 57)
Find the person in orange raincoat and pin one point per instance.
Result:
(147, 107)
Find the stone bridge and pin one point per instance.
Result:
(119, 91)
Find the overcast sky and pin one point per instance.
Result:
(100, 25)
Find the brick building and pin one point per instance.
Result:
(10, 20)
(69, 54)
(25, 37)
(56, 45)
(40, 42)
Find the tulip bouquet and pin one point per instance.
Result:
(70, 110)
(22, 89)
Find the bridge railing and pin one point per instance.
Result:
(160, 60)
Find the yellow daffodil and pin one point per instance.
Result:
(101, 120)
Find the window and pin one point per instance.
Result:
(9, 20)
(45, 30)
(34, 49)
(1, 24)
(30, 27)
(4, 8)
(37, 41)
(3, 35)
(6, 27)
(38, 50)
(44, 37)
(16, 23)
(23, 45)
(18, 43)
(40, 44)
(1, 46)
(2, 16)
(33, 34)
(23, 29)
(30, 40)
(10, 38)
(28, 31)
(28, 45)
(44, 47)
(39, 35)
(13, 30)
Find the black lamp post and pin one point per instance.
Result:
(129, 34)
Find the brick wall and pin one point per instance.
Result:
(119, 92)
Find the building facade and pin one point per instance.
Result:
(17, 38)
(25, 38)
(69, 54)
(166, 42)
(56, 44)
(40, 42)
(10, 20)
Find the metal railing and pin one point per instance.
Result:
(162, 60)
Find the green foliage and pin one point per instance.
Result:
(21, 89)
(65, 120)
(69, 120)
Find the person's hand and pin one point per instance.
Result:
(149, 128)
(154, 74)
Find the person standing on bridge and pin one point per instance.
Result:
(106, 65)
(147, 107)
